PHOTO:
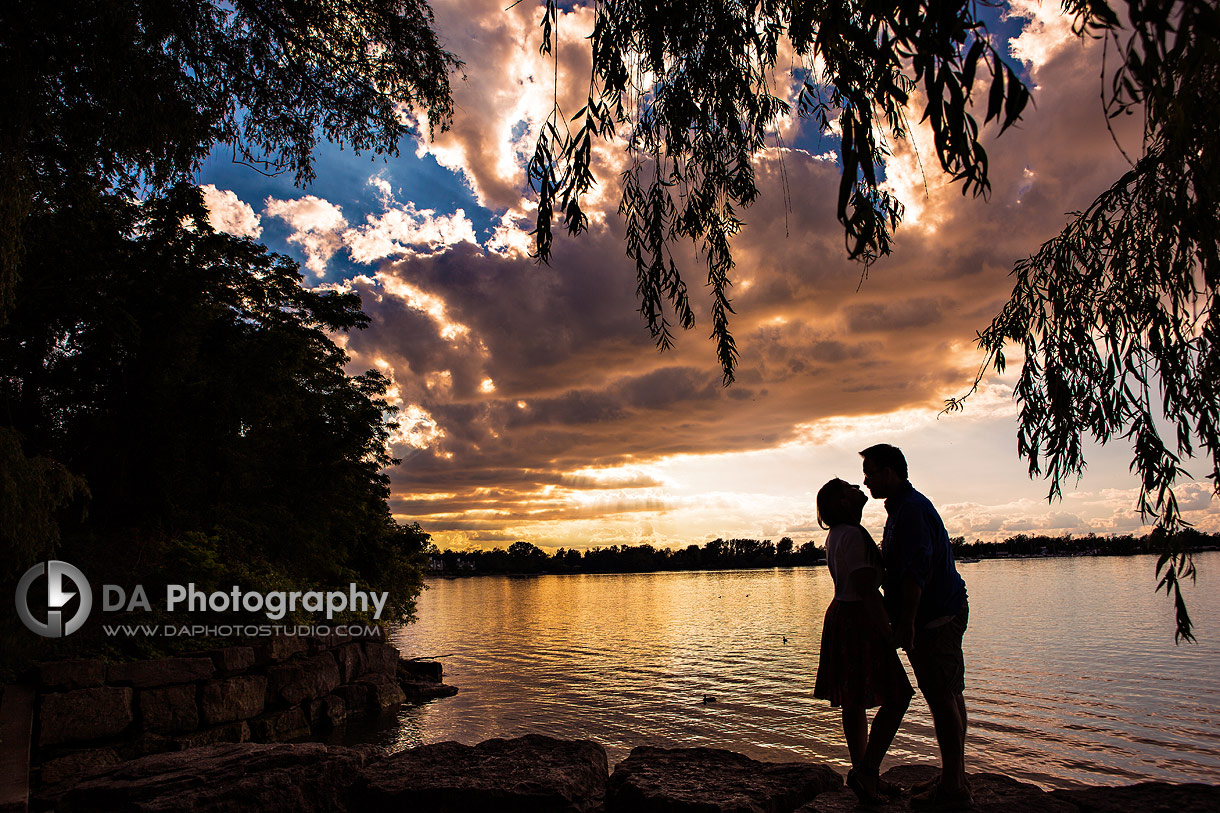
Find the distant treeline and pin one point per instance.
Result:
(733, 554)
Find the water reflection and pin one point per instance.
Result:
(1072, 674)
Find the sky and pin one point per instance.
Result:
(533, 404)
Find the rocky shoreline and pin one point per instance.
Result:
(537, 774)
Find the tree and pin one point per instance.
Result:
(1118, 316)
(183, 379)
(138, 91)
(192, 382)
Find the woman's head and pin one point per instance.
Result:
(840, 502)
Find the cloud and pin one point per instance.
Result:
(587, 435)
(317, 224)
(229, 214)
(401, 230)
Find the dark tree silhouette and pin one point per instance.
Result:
(139, 91)
(1118, 317)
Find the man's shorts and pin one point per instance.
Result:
(936, 656)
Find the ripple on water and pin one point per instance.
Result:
(1072, 672)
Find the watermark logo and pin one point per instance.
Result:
(58, 596)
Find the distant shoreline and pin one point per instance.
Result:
(992, 555)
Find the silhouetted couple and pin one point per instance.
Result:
(923, 611)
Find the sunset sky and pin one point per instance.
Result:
(534, 404)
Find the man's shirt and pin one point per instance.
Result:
(916, 546)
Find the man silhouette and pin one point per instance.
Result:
(926, 601)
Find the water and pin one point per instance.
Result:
(1072, 673)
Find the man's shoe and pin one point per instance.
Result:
(940, 798)
(887, 788)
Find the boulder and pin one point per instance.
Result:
(530, 774)
(357, 698)
(352, 661)
(232, 659)
(169, 710)
(417, 691)
(384, 692)
(994, 793)
(298, 681)
(78, 673)
(659, 780)
(430, 671)
(1154, 797)
(235, 698)
(234, 778)
(228, 733)
(327, 713)
(71, 767)
(278, 649)
(84, 714)
(161, 672)
(280, 726)
(380, 658)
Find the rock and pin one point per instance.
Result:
(384, 692)
(530, 774)
(298, 681)
(280, 726)
(168, 710)
(79, 673)
(232, 658)
(233, 778)
(327, 713)
(279, 649)
(235, 698)
(417, 691)
(653, 780)
(1152, 797)
(993, 793)
(357, 698)
(228, 733)
(352, 661)
(380, 658)
(84, 714)
(73, 766)
(431, 671)
(162, 672)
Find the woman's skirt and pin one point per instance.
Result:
(855, 667)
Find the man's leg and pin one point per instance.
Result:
(948, 717)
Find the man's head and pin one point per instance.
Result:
(885, 470)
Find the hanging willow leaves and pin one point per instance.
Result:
(1118, 317)
(690, 85)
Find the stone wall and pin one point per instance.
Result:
(89, 714)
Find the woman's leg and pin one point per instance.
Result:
(855, 731)
(885, 726)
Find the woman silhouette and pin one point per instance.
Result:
(858, 667)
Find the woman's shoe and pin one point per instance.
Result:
(865, 787)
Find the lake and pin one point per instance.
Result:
(1072, 673)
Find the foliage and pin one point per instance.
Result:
(130, 91)
(1118, 317)
(690, 84)
(192, 382)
